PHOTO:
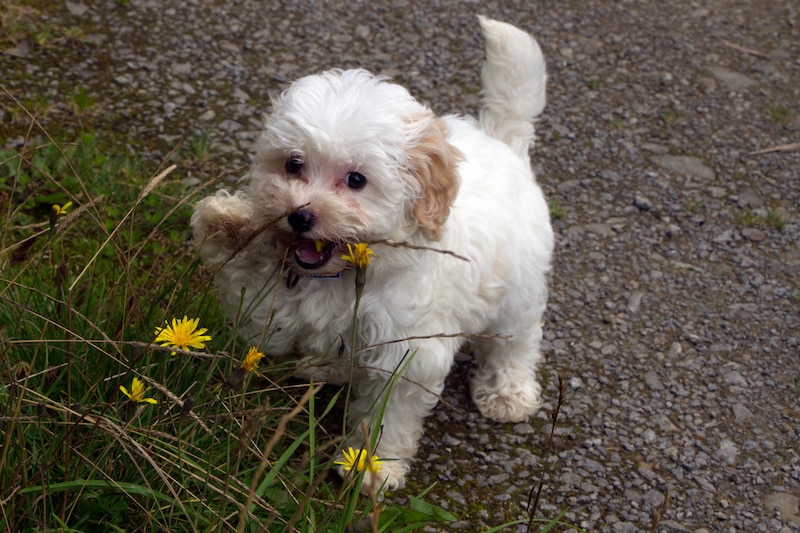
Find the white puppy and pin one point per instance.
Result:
(348, 157)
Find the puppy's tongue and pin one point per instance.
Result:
(312, 254)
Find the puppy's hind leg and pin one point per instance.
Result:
(504, 386)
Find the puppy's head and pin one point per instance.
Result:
(346, 156)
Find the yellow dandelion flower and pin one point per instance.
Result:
(251, 360)
(182, 334)
(61, 210)
(357, 460)
(359, 255)
(136, 394)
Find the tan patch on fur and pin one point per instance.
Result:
(433, 163)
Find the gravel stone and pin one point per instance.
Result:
(741, 413)
(749, 197)
(524, 429)
(653, 381)
(671, 525)
(728, 450)
(753, 234)
(635, 302)
(684, 165)
(732, 80)
(642, 203)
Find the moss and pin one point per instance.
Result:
(670, 117)
(780, 114)
(756, 219)
(556, 211)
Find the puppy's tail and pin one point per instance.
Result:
(513, 85)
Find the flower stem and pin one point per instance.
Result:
(360, 282)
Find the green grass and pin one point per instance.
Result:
(693, 206)
(80, 297)
(23, 19)
(557, 212)
(670, 117)
(780, 114)
(760, 219)
(81, 101)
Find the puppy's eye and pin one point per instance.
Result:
(355, 180)
(294, 164)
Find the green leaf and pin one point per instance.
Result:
(83, 484)
(434, 511)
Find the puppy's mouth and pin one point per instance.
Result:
(313, 255)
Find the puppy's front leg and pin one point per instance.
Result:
(221, 224)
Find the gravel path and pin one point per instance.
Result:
(675, 308)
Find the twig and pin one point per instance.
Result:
(533, 500)
(247, 239)
(439, 336)
(658, 513)
(158, 347)
(781, 148)
(745, 50)
(418, 247)
(185, 406)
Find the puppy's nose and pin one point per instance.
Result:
(301, 221)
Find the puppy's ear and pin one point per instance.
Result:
(432, 168)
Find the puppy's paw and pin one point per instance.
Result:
(505, 397)
(223, 214)
(221, 223)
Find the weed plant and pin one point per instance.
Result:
(102, 428)
(107, 426)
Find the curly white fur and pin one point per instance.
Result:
(348, 157)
